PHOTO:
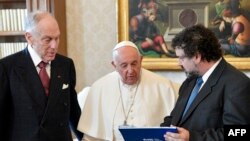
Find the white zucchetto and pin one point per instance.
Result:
(125, 43)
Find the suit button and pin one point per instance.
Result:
(30, 107)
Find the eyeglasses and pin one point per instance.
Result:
(181, 58)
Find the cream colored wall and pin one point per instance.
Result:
(92, 33)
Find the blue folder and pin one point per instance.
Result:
(145, 133)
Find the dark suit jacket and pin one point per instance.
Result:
(26, 114)
(223, 100)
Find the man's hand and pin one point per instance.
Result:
(182, 135)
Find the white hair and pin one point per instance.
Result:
(33, 18)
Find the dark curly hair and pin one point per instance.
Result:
(198, 39)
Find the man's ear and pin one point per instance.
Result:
(197, 58)
(113, 64)
(28, 37)
(141, 57)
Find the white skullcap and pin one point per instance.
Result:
(125, 43)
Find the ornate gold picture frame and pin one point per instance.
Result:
(242, 63)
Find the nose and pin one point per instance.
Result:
(130, 68)
(53, 44)
(179, 61)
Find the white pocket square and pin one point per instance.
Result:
(65, 86)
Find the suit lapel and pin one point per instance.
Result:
(27, 73)
(205, 90)
(184, 100)
(56, 83)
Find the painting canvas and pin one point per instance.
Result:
(151, 25)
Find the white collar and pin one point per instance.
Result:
(34, 55)
(210, 71)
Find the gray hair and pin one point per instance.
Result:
(33, 19)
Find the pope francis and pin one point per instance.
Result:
(130, 96)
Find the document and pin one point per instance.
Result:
(145, 133)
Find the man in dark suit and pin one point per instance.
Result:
(223, 97)
(30, 110)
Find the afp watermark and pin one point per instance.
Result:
(241, 132)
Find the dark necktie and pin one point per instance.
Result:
(44, 76)
(194, 93)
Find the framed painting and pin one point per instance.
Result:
(168, 17)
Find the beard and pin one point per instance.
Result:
(190, 73)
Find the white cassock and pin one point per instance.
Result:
(110, 103)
